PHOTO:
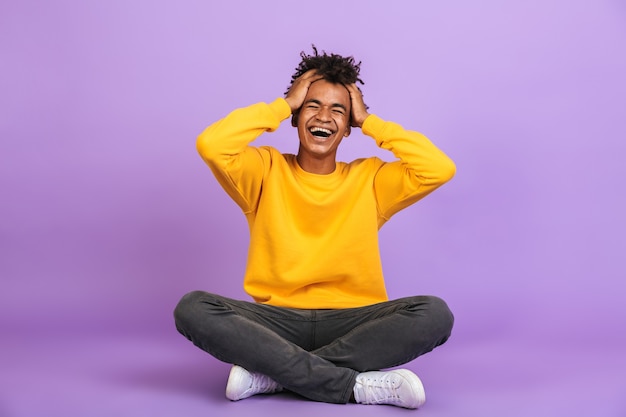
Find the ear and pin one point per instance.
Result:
(348, 131)
(294, 119)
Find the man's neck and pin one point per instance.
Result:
(322, 166)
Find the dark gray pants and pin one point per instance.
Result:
(314, 353)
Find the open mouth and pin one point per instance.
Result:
(320, 132)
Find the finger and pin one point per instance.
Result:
(309, 73)
(359, 110)
(354, 89)
(312, 77)
(297, 93)
(307, 77)
(355, 93)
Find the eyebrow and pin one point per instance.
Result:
(313, 100)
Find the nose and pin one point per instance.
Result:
(323, 115)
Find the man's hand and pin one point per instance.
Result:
(297, 93)
(359, 109)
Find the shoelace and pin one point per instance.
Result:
(263, 383)
(381, 391)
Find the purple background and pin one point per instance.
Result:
(108, 216)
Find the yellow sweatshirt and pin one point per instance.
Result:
(314, 238)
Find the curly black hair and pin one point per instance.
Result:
(334, 68)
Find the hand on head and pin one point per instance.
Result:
(297, 93)
(359, 109)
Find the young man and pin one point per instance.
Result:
(321, 324)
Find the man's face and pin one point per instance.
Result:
(323, 120)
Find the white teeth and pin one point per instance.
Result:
(322, 130)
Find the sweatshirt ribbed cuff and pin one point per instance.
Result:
(280, 108)
(373, 126)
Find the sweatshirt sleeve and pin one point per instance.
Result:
(224, 146)
(420, 169)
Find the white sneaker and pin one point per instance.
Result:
(243, 384)
(399, 387)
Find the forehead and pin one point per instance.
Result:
(328, 92)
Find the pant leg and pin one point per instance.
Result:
(383, 335)
(256, 337)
